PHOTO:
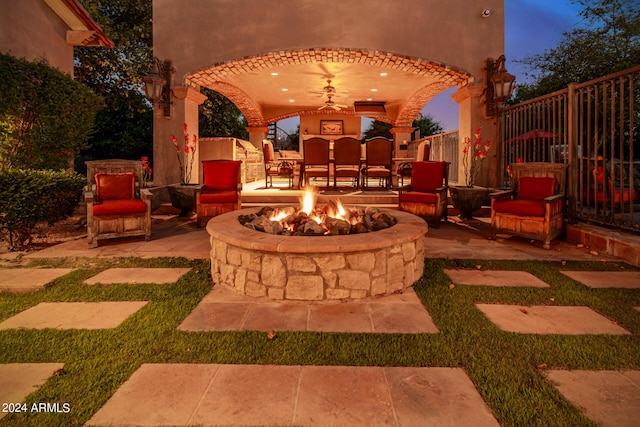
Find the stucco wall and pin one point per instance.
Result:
(30, 29)
(212, 31)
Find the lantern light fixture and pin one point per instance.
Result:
(157, 84)
(500, 85)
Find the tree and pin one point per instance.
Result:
(123, 129)
(45, 116)
(609, 42)
(220, 117)
(427, 125)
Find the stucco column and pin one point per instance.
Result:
(471, 115)
(257, 134)
(166, 169)
(401, 136)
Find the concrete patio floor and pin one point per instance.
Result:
(188, 394)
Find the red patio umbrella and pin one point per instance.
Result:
(533, 134)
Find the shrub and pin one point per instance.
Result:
(45, 116)
(28, 197)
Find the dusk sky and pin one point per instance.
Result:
(531, 26)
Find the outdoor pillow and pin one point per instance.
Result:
(221, 175)
(536, 188)
(111, 186)
(426, 176)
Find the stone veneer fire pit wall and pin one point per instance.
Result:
(317, 267)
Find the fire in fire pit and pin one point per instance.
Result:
(332, 219)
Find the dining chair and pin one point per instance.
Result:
(273, 167)
(316, 159)
(346, 160)
(378, 163)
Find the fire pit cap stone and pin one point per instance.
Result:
(228, 229)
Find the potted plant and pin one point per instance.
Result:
(183, 195)
(469, 198)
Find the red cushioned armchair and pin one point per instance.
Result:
(427, 194)
(220, 191)
(534, 207)
(117, 205)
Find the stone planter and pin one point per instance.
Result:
(468, 199)
(183, 197)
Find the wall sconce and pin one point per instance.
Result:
(157, 84)
(500, 85)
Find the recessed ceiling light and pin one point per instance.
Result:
(374, 90)
(369, 99)
(292, 100)
(284, 89)
(274, 74)
(383, 74)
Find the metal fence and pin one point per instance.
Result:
(593, 128)
(444, 147)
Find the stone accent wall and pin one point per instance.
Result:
(329, 271)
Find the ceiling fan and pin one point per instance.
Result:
(329, 103)
(329, 91)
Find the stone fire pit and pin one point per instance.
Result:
(258, 264)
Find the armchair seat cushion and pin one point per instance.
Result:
(520, 207)
(119, 207)
(417, 197)
(218, 196)
(377, 171)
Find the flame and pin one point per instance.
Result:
(308, 201)
(333, 209)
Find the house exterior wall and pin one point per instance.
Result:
(199, 33)
(30, 29)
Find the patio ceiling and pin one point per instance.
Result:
(274, 88)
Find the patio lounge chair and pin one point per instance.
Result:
(427, 194)
(273, 167)
(404, 168)
(117, 205)
(220, 191)
(534, 207)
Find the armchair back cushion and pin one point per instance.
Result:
(112, 186)
(221, 175)
(536, 188)
(427, 176)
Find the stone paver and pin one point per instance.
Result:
(606, 279)
(28, 279)
(495, 278)
(18, 380)
(225, 310)
(73, 315)
(138, 275)
(609, 398)
(188, 394)
(568, 320)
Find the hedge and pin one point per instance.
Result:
(29, 197)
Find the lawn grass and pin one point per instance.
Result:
(502, 365)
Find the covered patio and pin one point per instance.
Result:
(329, 66)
